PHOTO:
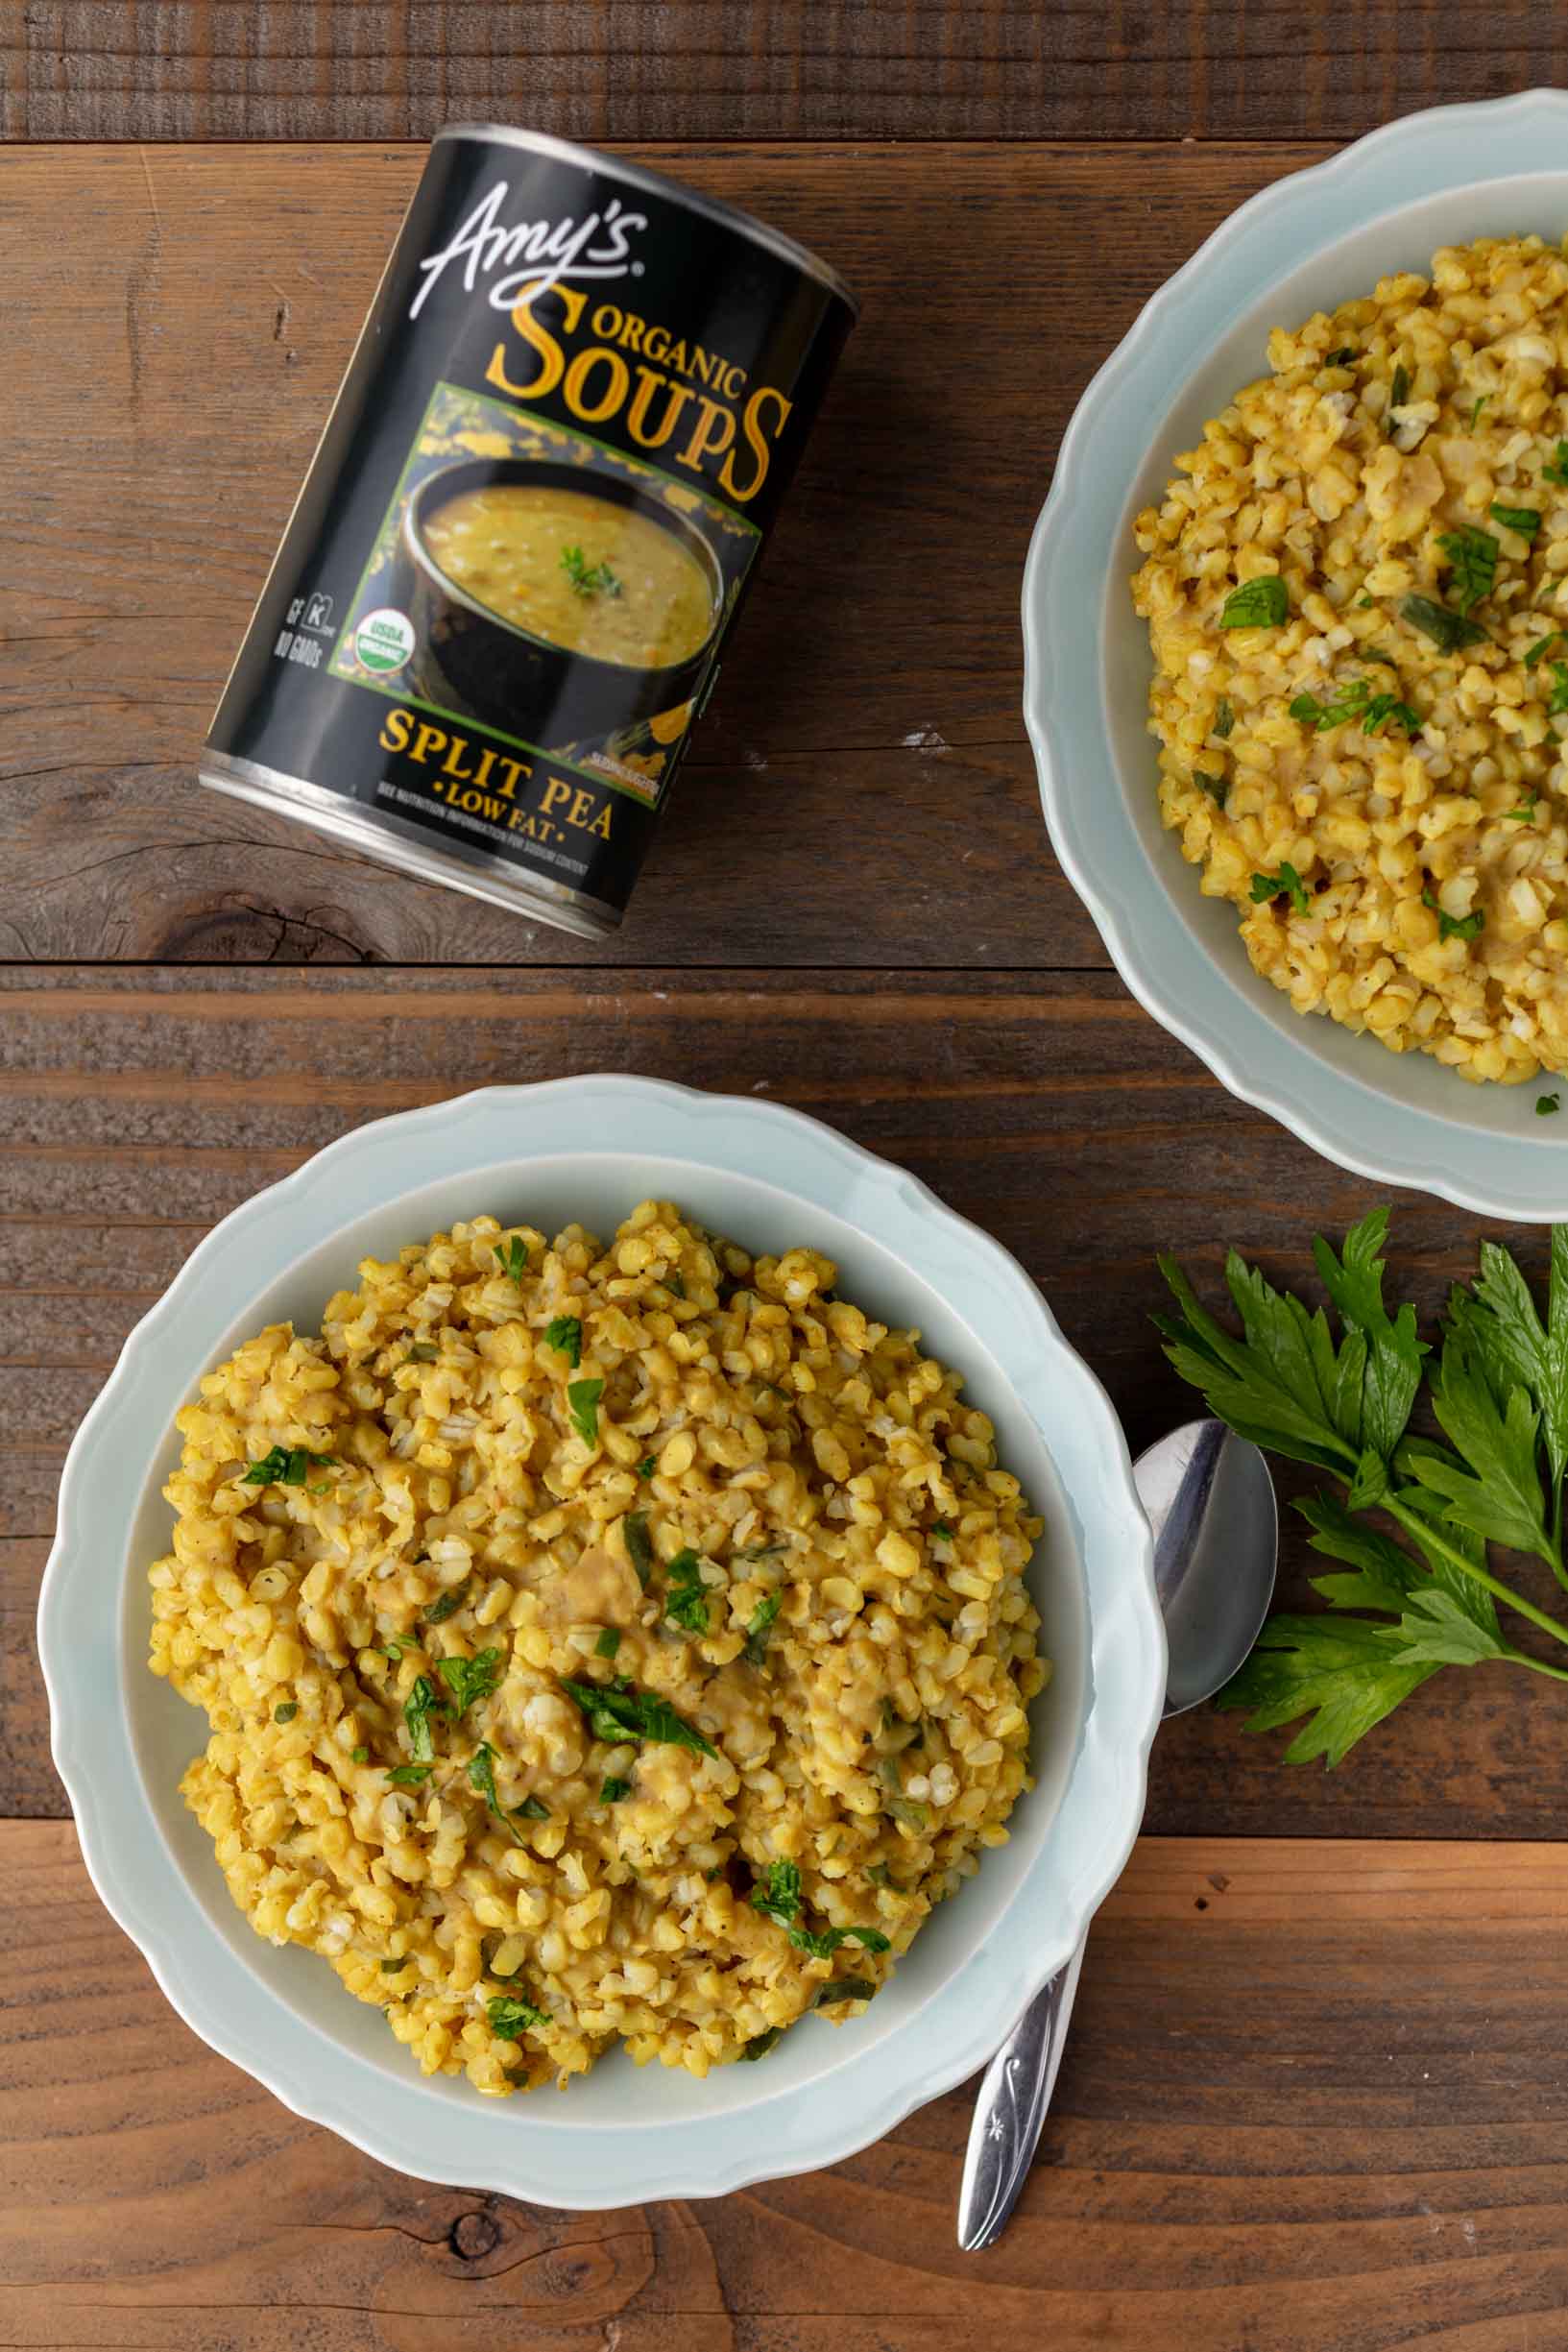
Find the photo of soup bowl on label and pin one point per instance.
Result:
(561, 604)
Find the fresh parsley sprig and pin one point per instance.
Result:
(1497, 1387)
(616, 1711)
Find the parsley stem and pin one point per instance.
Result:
(1426, 1533)
(1538, 1665)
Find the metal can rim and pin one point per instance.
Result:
(661, 184)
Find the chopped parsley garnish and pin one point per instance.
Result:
(582, 1404)
(1546, 1104)
(845, 1988)
(513, 1260)
(1448, 630)
(565, 1336)
(587, 580)
(1525, 519)
(676, 1283)
(1342, 357)
(776, 1894)
(608, 1642)
(1399, 391)
(1375, 653)
(287, 1711)
(1386, 711)
(1257, 604)
(1525, 814)
(1224, 720)
(1465, 927)
(360, 1755)
(1556, 469)
(469, 1679)
(1557, 699)
(616, 1711)
(393, 1965)
(686, 1597)
(1347, 702)
(759, 1626)
(1475, 413)
(422, 1352)
(422, 1702)
(1473, 555)
(762, 1551)
(1553, 636)
(288, 1466)
(640, 1545)
(482, 1776)
(940, 1527)
(613, 1790)
(409, 1776)
(532, 1808)
(447, 1606)
(1286, 883)
(646, 1468)
(1218, 788)
(760, 2044)
(509, 2019)
(1364, 604)
(396, 1644)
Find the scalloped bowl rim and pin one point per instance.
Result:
(202, 1959)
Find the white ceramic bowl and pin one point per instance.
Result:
(591, 1149)
(1307, 243)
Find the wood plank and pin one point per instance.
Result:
(862, 793)
(138, 1108)
(1304, 2109)
(659, 69)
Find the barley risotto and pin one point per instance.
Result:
(1353, 588)
(597, 1644)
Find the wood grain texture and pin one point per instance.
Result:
(137, 1108)
(751, 70)
(862, 793)
(1255, 2148)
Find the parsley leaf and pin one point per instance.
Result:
(509, 2019)
(1557, 700)
(1524, 813)
(409, 1776)
(447, 1606)
(565, 1336)
(1399, 391)
(640, 1545)
(1262, 603)
(845, 1988)
(1346, 1673)
(1218, 788)
(1546, 1104)
(287, 1711)
(587, 580)
(1286, 883)
(1224, 720)
(469, 1679)
(1465, 927)
(582, 1404)
(613, 1790)
(608, 1642)
(1348, 701)
(646, 1468)
(288, 1467)
(1475, 413)
(513, 1260)
(760, 2044)
(532, 1808)
(360, 1755)
(759, 1626)
(1556, 469)
(1525, 519)
(777, 1894)
(617, 1713)
(686, 1597)
(1449, 631)
(422, 1702)
(1386, 711)
(1342, 357)
(482, 1776)
(1473, 554)
(422, 1352)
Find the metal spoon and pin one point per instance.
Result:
(1210, 1501)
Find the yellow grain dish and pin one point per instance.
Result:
(1377, 780)
(599, 1645)
(589, 574)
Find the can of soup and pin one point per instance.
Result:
(540, 496)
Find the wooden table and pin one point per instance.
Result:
(1315, 2098)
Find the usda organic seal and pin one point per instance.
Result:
(385, 640)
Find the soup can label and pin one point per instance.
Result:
(537, 503)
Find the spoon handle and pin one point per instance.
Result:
(1014, 2095)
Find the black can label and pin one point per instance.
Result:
(543, 490)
